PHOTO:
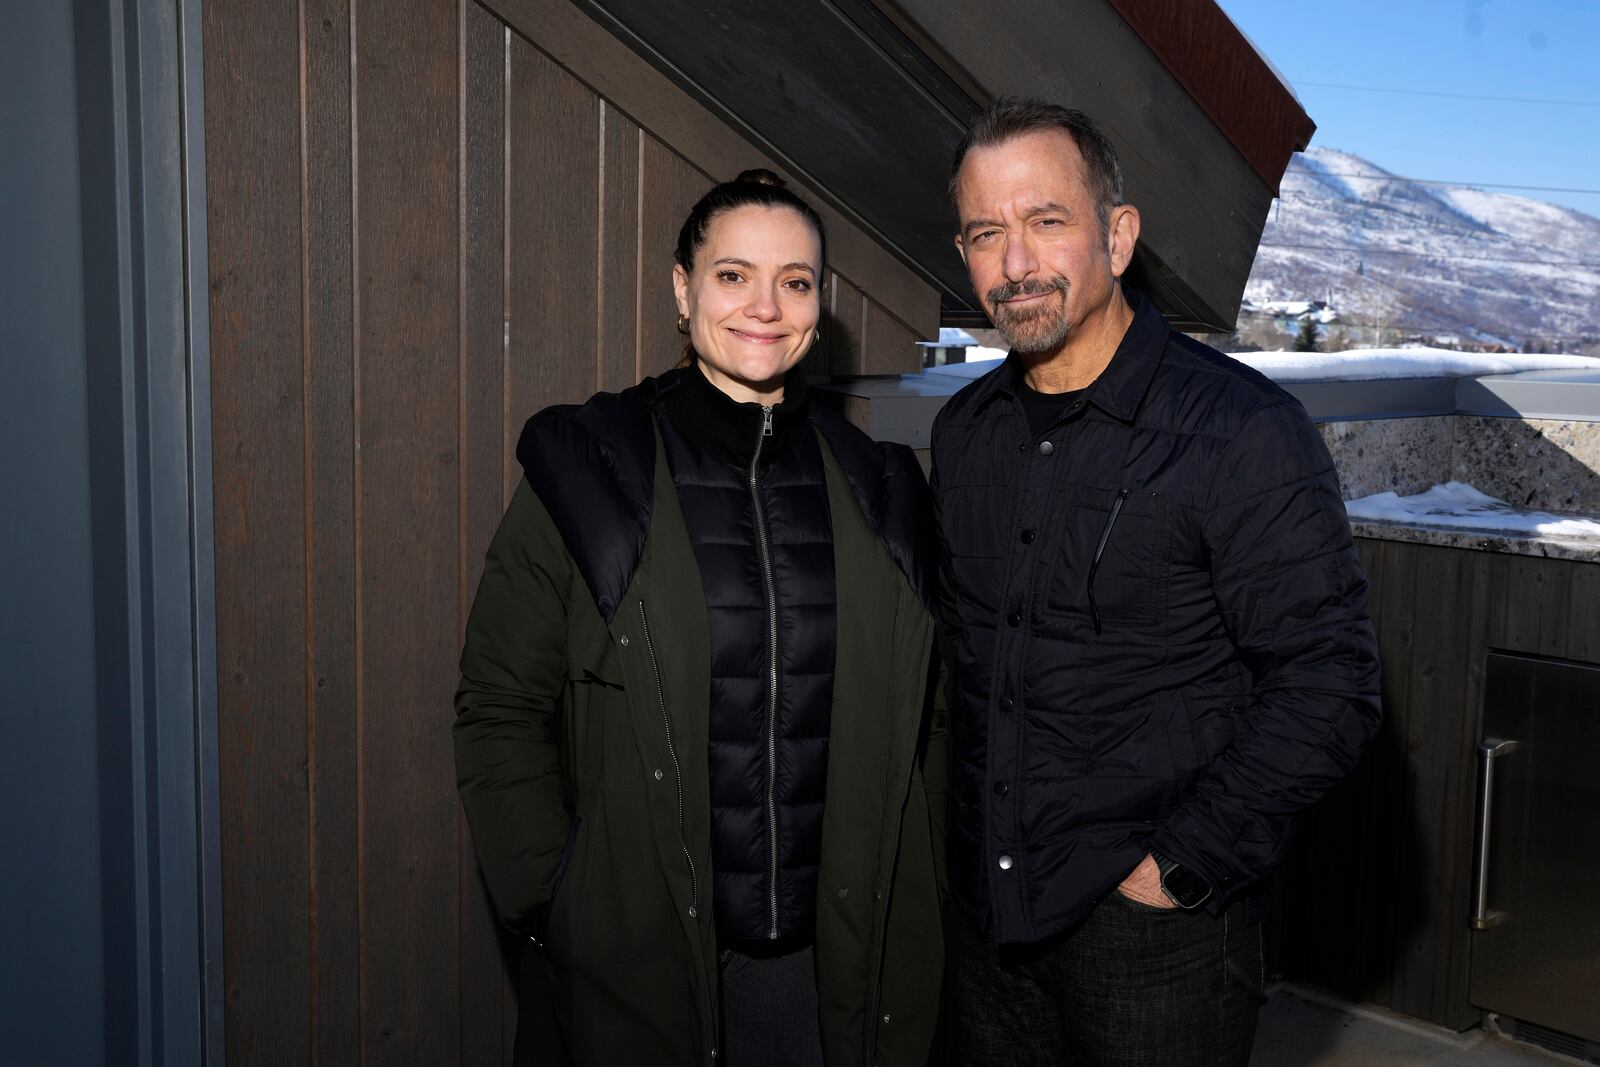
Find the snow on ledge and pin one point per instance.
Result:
(1369, 364)
(1457, 505)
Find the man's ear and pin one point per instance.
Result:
(1123, 236)
(961, 248)
(680, 288)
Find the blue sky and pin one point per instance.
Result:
(1541, 49)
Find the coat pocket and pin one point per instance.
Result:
(1111, 560)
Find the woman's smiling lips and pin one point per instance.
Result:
(756, 338)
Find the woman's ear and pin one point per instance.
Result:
(680, 288)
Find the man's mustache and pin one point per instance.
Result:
(1028, 287)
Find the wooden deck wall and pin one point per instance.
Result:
(426, 221)
(1374, 903)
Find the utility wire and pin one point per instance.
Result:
(1452, 95)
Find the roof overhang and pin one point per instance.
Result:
(866, 100)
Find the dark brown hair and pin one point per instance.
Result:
(1013, 116)
(760, 188)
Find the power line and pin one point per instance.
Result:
(1429, 255)
(1439, 181)
(1451, 95)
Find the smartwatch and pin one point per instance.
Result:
(1182, 886)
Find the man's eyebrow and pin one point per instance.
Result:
(1049, 207)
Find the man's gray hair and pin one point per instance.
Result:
(1013, 116)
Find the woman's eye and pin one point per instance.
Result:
(729, 276)
(799, 285)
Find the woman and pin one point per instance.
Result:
(690, 738)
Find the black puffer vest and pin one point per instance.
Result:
(751, 485)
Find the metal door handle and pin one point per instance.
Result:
(1490, 749)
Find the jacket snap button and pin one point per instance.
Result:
(1045, 448)
(1027, 537)
(1014, 619)
(623, 640)
(1001, 789)
(1005, 863)
(1023, 448)
(658, 774)
(1006, 703)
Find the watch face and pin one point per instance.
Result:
(1187, 889)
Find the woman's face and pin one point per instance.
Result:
(752, 299)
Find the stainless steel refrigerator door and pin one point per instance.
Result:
(1536, 952)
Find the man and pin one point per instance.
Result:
(1161, 648)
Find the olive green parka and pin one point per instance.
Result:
(581, 753)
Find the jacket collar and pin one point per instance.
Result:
(1122, 385)
(724, 427)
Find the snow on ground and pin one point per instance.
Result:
(1458, 505)
(1367, 364)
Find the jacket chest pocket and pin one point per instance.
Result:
(1111, 562)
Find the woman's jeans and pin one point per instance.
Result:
(1133, 986)
(769, 1010)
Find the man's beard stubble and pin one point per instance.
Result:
(1040, 327)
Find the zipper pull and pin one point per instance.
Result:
(766, 420)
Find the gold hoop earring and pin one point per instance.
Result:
(683, 325)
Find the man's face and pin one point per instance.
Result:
(1038, 255)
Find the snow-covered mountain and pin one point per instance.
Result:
(1429, 259)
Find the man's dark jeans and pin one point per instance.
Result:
(1133, 986)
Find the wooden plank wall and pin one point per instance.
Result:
(422, 229)
(1374, 902)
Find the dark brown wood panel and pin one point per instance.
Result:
(406, 410)
(488, 1007)
(617, 309)
(1374, 902)
(258, 446)
(331, 759)
(671, 186)
(1431, 911)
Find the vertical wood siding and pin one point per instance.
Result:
(423, 228)
(1374, 902)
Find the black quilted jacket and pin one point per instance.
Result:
(1160, 628)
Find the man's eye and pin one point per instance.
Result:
(1049, 222)
(983, 235)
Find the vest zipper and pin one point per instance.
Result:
(1099, 549)
(763, 549)
(672, 754)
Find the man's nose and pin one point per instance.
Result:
(1019, 261)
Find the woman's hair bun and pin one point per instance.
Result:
(760, 177)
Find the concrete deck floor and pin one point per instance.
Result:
(1302, 1028)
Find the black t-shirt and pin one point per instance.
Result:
(1043, 409)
